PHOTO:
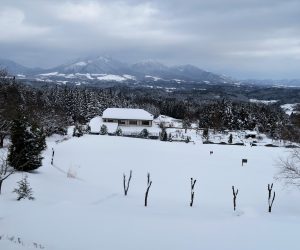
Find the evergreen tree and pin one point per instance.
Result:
(103, 130)
(163, 136)
(144, 133)
(230, 139)
(205, 134)
(24, 190)
(27, 143)
(119, 132)
(186, 123)
(78, 131)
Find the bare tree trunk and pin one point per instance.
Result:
(193, 182)
(149, 183)
(235, 193)
(126, 187)
(1, 141)
(270, 199)
(1, 181)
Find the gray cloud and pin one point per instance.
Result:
(241, 38)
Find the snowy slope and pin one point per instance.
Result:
(90, 212)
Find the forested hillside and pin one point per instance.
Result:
(54, 107)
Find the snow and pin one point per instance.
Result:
(130, 77)
(96, 123)
(62, 82)
(136, 130)
(263, 101)
(251, 132)
(155, 78)
(289, 108)
(127, 113)
(91, 212)
(80, 64)
(87, 75)
(168, 121)
(49, 74)
(109, 77)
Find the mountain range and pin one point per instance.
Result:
(103, 65)
(104, 68)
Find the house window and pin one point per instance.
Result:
(132, 122)
(121, 122)
(109, 120)
(146, 123)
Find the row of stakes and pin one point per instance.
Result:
(126, 183)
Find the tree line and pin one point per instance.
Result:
(54, 107)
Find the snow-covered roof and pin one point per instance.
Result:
(126, 113)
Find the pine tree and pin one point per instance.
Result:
(24, 190)
(205, 134)
(78, 131)
(27, 143)
(163, 135)
(103, 130)
(144, 133)
(230, 139)
(119, 132)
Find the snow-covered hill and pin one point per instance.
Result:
(91, 212)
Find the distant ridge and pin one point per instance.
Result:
(110, 66)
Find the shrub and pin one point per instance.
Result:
(103, 130)
(119, 132)
(144, 133)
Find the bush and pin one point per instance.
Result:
(78, 130)
(24, 190)
(144, 133)
(230, 139)
(103, 130)
(119, 132)
(163, 135)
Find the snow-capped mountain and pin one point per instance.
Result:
(104, 68)
(182, 72)
(93, 65)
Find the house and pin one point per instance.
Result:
(128, 117)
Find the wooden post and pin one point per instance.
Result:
(193, 182)
(149, 183)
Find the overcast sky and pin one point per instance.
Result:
(240, 38)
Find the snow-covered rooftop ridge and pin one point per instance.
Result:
(127, 113)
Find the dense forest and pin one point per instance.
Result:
(54, 107)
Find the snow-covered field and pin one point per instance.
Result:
(91, 212)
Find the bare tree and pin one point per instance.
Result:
(149, 183)
(126, 186)
(5, 171)
(290, 168)
(235, 193)
(270, 199)
(193, 182)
